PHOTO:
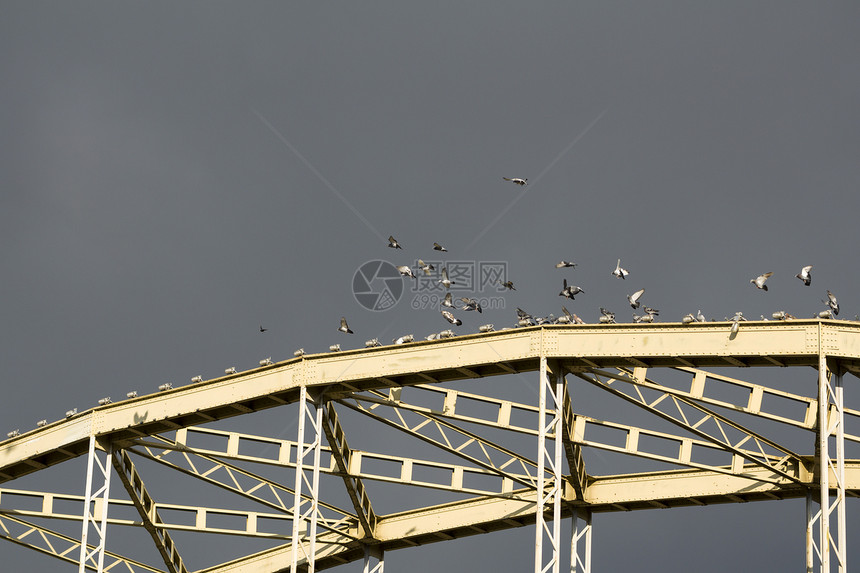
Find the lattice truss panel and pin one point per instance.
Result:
(347, 475)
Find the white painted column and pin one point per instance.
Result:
(95, 509)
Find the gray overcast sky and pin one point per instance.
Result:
(174, 175)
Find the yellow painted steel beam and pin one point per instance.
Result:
(796, 342)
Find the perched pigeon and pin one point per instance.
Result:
(619, 272)
(607, 316)
(831, 302)
(646, 318)
(523, 315)
(426, 267)
(700, 317)
(804, 275)
(565, 265)
(471, 304)
(263, 329)
(448, 302)
(570, 291)
(566, 312)
(444, 280)
(759, 281)
(438, 247)
(633, 299)
(392, 242)
(516, 180)
(450, 318)
(508, 285)
(344, 327)
(405, 271)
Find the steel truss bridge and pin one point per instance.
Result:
(717, 451)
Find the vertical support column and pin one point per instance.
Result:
(831, 422)
(305, 518)
(95, 509)
(583, 535)
(551, 386)
(374, 553)
(811, 547)
(842, 532)
(823, 462)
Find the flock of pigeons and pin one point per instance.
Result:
(570, 291)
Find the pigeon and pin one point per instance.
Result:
(652, 311)
(577, 320)
(450, 318)
(646, 318)
(700, 317)
(448, 302)
(263, 329)
(831, 302)
(565, 265)
(633, 299)
(444, 280)
(471, 304)
(619, 272)
(566, 312)
(438, 247)
(570, 291)
(516, 180)
(508, 285)
(406, 271)
(607, 316)
(523, 315)
(759, 281)
(804, 275)
(344, 327)
(392, 242)
(426, 267)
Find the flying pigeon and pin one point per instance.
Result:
(649, 310)
(263, 329)
(405, 271)
(804, 275)
(516, 180)
(578, 320)
(344, 327)
(508, 285)
(450, 318)
(444, 280)
(565, 265)
(392, 242)
(523, 315)
(426, 267)
(759, 281)
(438, 247)
(471, 304)
(619, 272)
(831, 302)
(448, 302)
(633, 299)
(570, 291)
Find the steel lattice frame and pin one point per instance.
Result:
(497, 486)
